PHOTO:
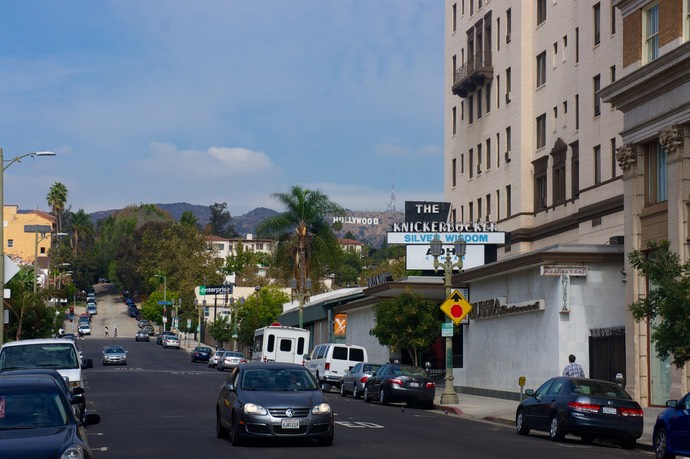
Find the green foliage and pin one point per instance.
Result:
(220, 222)
(667, 304)
(221, 330)
(259, 310)
(29, 316)
(407, 322)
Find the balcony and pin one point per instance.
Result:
(473, 73)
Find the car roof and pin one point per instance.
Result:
(23, 342)
(271, 366)
(28, 381)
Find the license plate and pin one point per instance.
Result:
(414, 384)
(608, 410)
(289, 423)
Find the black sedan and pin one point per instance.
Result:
(394, 382)
(201, 354)
(672, 429)
(588, 408)
(280, 400)
(37, 420)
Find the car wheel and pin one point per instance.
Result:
(342, 390)
(221, 432)
(520, 425)
(555, 430)
(383, 397)
(660, 443)
(628, 443)
(355, 392)
(193, 361)
(367, 398)
(587, 439)
(235, 438)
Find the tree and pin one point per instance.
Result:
(188, 218)
(408, 322)
(220, 221)
(57, 198)
(82, 227)
(667, 304)
(259, 310)
(30, 318)
(221, 330)
(307, 245)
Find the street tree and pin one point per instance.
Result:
(220, 222)
(307, 245)
(666, 305)
(82, 228)
(29, 316)
(57, 198)
(221, 330)
(259, 310)
(408, 322)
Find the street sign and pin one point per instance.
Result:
(189, 324)
(446, 330)
(165, 303)
(11, 269)
(456, 307)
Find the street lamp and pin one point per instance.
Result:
(165, 296)
(449, 396)
(16, 159)
(302, 292)
(37, 241)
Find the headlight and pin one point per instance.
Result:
(73, 452)
(322, 408)
(251, 408)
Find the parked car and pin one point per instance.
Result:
(328, 362)
(159, 340)
(114, 355)
(38, 420)
(143, 322)
(201, 354)
(588, 408)
(133, 312)
(395, 382)
(141, 335)
(84, 328)
(91, 309)
(213, 360)
(230, 360)
(271, 399)
(70, 336)
(355, 379)
(672, 429)
(171, 341)
(149, 330)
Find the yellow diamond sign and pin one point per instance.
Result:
(456, 307)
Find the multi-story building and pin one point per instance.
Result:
(27, 234)
(530, 145)
(653, 95)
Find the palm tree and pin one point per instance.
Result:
(82, 226)
(57, 198)
(306, 242)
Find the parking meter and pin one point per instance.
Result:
(620, 380)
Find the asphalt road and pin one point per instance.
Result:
(162, 405)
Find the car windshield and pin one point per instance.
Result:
(48, 355)
(114, 350)
(234, 354)
(32, 410)
(599, 388)
(277, 380)
(203, 349)
(409, 371)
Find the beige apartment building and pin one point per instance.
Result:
(27, 234)
(530, 145)
(653, 94)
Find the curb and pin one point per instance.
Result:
(449, 410)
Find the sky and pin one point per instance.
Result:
(166, 101)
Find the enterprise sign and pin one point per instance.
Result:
(446, 238)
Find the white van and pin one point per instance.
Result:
(328, 362)
(56, 353)
(277, 343)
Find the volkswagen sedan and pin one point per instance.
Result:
(588, 408)
(283, 400)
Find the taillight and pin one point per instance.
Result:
(631, 412)
(584, 407)
(397, 381)
(430, 385)
(364, 379)
(328, 365)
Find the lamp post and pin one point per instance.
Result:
(449, 396)
(16, 159)
(165, 296)
(301, 293)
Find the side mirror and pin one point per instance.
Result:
(90, 419)
(672, 403)
(306, 357)
(78, 390)
(529, 393)
(87, 363)
(77, 399)
(230, 387)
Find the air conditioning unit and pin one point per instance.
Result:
(507, 97)
(508, 156)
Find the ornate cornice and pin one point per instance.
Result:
(626, 156)
(671, 139)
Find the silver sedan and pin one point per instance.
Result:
(355, 379)
(114, 355)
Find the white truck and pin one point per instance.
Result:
(278, 343)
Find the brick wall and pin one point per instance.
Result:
(670, 21)
(632, 38)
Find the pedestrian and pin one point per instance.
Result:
(106, 330)
(574, 370)
(115, 335)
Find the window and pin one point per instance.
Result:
(479, 209)
(508, 74)
(488, 207)
(575, 169)
(471, 211)
(657, 175)
(508, 198)
(462, 7)
(613, 73)
(454, 63)
(651, 33)
(541, 69)
(454, 120)
(454, 15)
(498, 91)
(462, 163)
(565, 112)
(498, 204)
(487, 92)
(577, 45)
(541, 131)
(462, 110)
(508, 141)
(470, 108)
(470, 165)
(565, 48)
(558, 171)
(540, 183)
(479, 159)
(554, 124)
(10, 243)
(577, 112)
(541, 11)
(454, 178)
(498, 149)
(597, 164)
(597, 23)
(613, 19)
(597, 99)
(488, 154)
(498, 34)
(555, 55)
(509, 25)
(479, 104)
(614, 172)
(471, 7)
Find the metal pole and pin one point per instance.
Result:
(2, 248)
(36, 263)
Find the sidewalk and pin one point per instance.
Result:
(503, 412)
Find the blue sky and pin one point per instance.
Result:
(163, 101)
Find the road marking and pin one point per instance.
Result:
(360, 424)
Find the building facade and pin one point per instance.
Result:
(653, 94)
(530, 145)
(27, 234)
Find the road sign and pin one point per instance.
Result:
(446, 330)
(11, 269)
(456, 307)
(165, 303)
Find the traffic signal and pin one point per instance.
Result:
(71, 310)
